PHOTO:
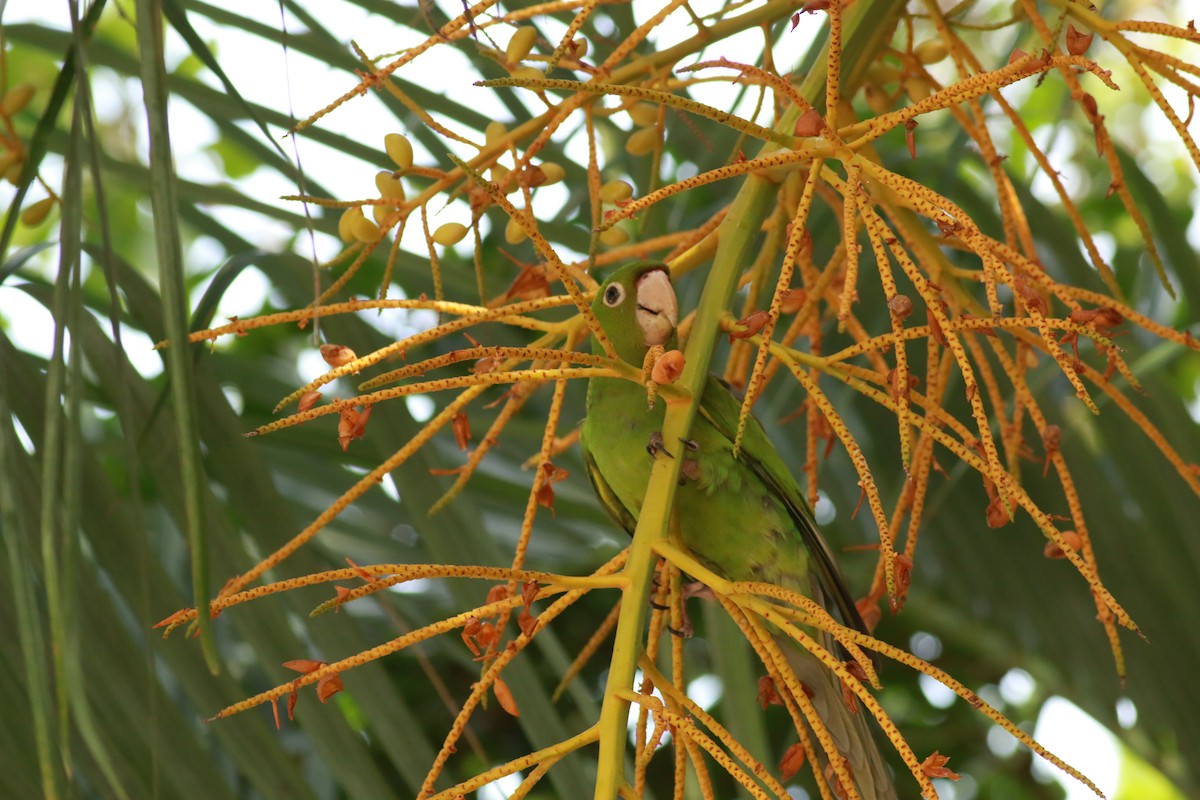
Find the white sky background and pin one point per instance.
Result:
(263, 76)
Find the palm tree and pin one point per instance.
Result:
(975, 156)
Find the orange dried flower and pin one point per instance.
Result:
(1070, 538)
(337, 355)
(809, 124)
(1077, 41)
(462, 430)
(750, 325)
(668, 368)
(328, 686)
(505, 696)
(792, 761)
(935, 767)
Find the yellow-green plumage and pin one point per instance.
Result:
(744, 516)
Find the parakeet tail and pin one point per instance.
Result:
(850, 730)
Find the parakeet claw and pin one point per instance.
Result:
(656, 445)
(690, 444)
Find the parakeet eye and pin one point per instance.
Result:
(614, 294)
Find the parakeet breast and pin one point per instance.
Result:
(726, 515)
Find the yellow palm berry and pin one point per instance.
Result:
(389, 186)
(642, 142)
(399, 150)
(16, 98)
(450, 233)
(513, 232)
(615, 192)
(36, 213)
(614, 237)
(643, 114)
(520, 44)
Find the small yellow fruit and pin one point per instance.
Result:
(643, 115)
(450, 233)
(917, 89)
(930, 51)
(513, 232)
(16, 98)
(551, 173)
(643, 142)
(520, 44)
(36, 213)
(494, 132)
(363, 229)
(7, 159)
(577, 48)
(881, 73)
(614, 237)
(528, 74)
(615, 192)
(13, 173)
(399, 150)
(389, 186)
(345, 232)
(380, 212)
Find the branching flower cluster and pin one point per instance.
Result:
(968, 320)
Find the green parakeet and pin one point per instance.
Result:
(743, 515)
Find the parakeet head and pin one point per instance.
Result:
(636, 307)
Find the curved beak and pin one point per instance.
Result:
(657, 309)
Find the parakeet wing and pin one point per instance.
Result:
(721, 408)
(612, 504)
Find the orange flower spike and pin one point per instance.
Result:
(935, 767)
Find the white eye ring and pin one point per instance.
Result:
(614, 295)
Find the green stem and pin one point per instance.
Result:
(165, 205)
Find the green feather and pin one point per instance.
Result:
(744, 515)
